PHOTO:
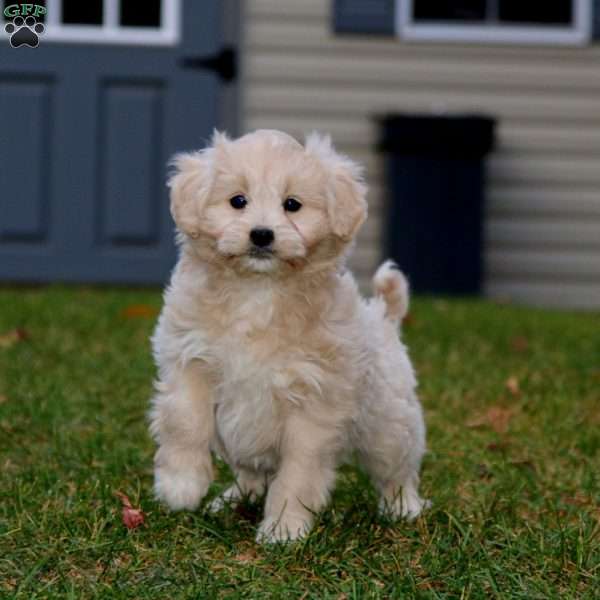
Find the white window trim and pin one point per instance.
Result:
(110, 32)
(577, 34)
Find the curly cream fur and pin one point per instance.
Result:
(276, 363)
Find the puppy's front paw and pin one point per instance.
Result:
(286, 528)
(180, 490)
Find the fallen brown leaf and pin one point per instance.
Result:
(512, 385)
(499, 417)
(408, 320)
(578, 499)
(519, 343)
(136, 311)
(248, 556)
(10, 583)
(3, 398)
(498, 446)
(495, 417)
(10, 338)
(132, 517)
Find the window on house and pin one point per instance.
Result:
(504, 21)
(153, 22)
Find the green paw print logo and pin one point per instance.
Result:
(24, 32)
(23, 27)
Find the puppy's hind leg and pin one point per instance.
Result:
(400, 497)
(182, 422)
(390, 447)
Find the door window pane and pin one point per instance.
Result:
(78, 12)
(140, 14)
(549, 12)
(449, 10)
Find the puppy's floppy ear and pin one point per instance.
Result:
(190, 182)
(347, 204)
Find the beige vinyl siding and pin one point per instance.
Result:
(543, 215)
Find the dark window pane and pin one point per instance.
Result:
(140, 14)
(34, 8)
(78, 12)
(547, 12)
(448, 10)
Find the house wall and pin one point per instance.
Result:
(543, 216)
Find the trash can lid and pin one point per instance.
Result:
(450, 136)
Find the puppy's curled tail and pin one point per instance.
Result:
(389, 283)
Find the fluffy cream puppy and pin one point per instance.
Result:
(267, 355)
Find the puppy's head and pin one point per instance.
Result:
(265, 203)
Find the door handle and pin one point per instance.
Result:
(224, 63)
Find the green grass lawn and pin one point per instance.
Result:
(512, 403)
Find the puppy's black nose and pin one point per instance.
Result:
(262, 237)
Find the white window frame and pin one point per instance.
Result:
(110, 32)
(579, 33)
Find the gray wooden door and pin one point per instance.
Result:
(88, 120)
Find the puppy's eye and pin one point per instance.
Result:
(291, 205)
(238, 202)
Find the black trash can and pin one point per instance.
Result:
(435, 177)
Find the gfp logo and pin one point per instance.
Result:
(24, 29)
